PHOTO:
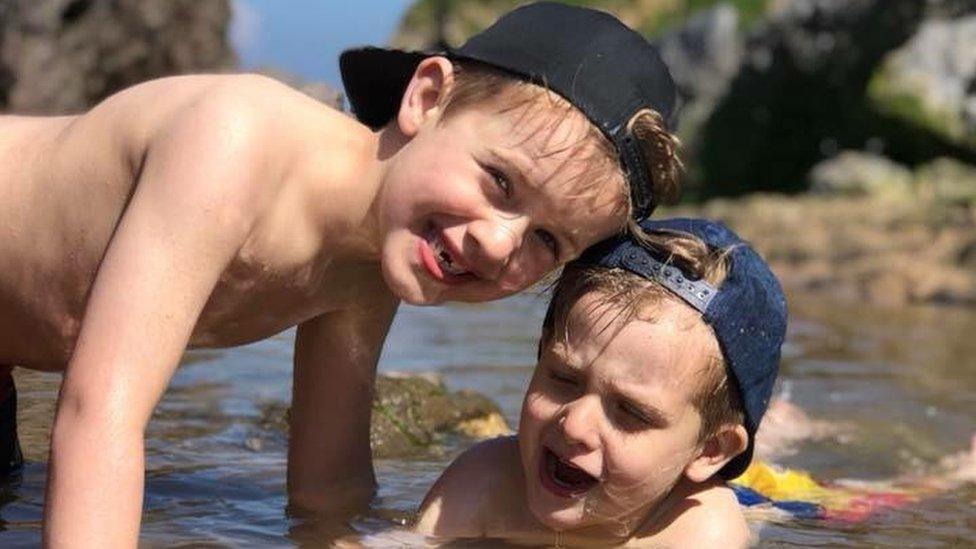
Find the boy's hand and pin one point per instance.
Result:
(329, 459)
(192, 209)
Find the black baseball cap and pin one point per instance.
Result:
(605, 69)
(747, 312)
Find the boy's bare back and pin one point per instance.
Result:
(67, 182)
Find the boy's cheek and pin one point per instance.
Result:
(524, 270)
(536, 410)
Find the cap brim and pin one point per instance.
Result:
(375, 79)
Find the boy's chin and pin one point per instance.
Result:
(406, 285)
(569, 516)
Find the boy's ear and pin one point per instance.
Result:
(429, 85)
(717, 450)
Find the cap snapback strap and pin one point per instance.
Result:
(696, 293)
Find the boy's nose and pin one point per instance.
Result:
(579, 422)
(496, 241)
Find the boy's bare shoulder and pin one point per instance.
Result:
(459, 502)
(217, 103)
(709, 516)
(256, 124)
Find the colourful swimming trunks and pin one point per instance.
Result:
(798, 495)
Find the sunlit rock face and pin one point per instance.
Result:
(61, 56)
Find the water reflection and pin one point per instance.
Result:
(903, 380)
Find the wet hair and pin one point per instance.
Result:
(477, 83)
(626, 296)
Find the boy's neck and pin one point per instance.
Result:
(343, 194)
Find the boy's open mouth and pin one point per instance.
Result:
(440, 260)
(563, 478)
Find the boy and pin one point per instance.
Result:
(210, 211)
(656, 364)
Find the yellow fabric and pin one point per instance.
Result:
(787, 484)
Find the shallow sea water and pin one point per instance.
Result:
(903, 381)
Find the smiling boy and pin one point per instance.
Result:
(656, 364)
(210, 211)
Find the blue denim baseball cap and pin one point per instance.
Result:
(605, 69)
(747, 311)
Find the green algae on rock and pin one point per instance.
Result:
(412, 413)
(928, 80)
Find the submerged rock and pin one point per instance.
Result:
(412, 413)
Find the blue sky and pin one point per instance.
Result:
(304, 37)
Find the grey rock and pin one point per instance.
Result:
(800, 96)
(59, 56)
(703, 55)
(931, 80)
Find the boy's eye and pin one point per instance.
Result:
(634, 414)
(549, 241)
(562, 378)
(501, 181)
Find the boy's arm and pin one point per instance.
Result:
(329, 458)
(191, 211)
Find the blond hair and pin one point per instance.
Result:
(477, 83)
(626, 296)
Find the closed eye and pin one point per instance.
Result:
(636, 416)
(561, 378)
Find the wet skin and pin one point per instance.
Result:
(68, 180)
(210, 211)
(458, 183)
(608, 448)
(616, 403)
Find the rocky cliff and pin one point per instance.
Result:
(772, 87)
(59, 56)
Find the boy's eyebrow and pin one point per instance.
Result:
(653, 413)
(509, 166)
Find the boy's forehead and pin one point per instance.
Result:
(664, 348)
(574, 169)
(542, 131)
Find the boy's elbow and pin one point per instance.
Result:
(95, 412)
